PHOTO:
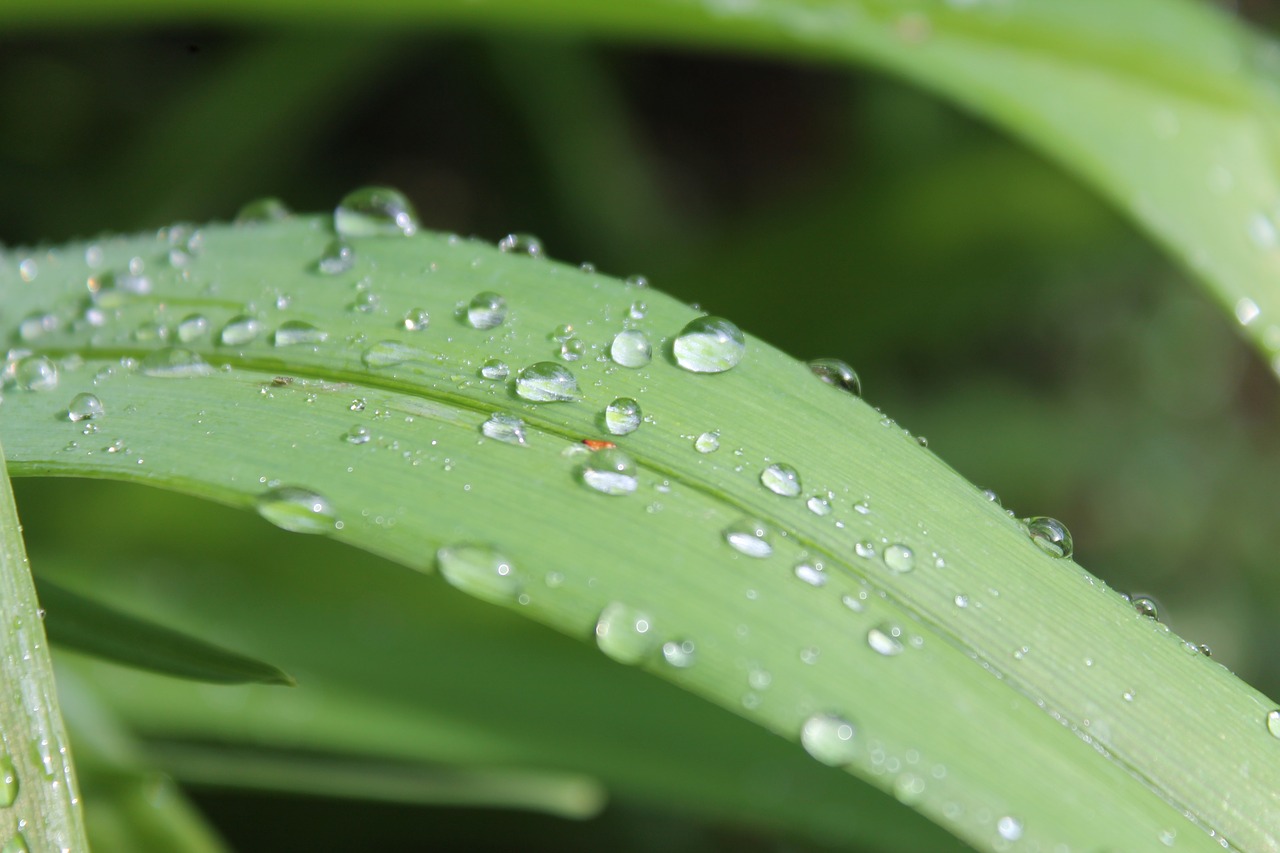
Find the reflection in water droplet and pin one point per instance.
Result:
(1050, 535)
(885, 639)
(1273, 723)
(8, 779)
(708, 442)
(486, 310)
(480, 571)
(631, 348)
(622, 416)
(495, 368)
(521, 244)
(374, 212)
(239, 330)
(781, 480)
(625, 633)
(1010, 828)
(835, 372)
(504, 427)
(85, 407)
(681, 654)
(899, 558)
(811, 573)
(191, 327)
(546, 382)
(294, 332)
(261, 210)
(338, 258)
(174, 362)
(709, 345)
(298, 510)
(749, 537)
(830, 739)
(610, 472)
(416, 319)
(36, 373)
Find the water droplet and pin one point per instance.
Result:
(358, 435)
(1010, 828)
(631, 348)
(36, 373)
(865, 549)
(899, 558)
(150, 332)
(338, 258)
(389, 354)
(636, 281)
(573, 349)
(480, 571)
(294, 332)
(521, 244)
(908, 788)
(174, 362)
(818, 506)
(961, 600)
(1146, 605)
(84, 407)
(637, 310)
(681, 654)
(811, 573)
(562, 332)
(830, 739)
(495, 368)
(622, 416)
(297, 510)
(416, 319)
(8, 779)
(749, 537)
(1273, 723)
(625, 633)
(990, 495)
(781, 480)
(110, 287)
(1050, 535)
(546, 382)
(835, 372)
(709, 345)
(37, 325)
(374, 212)
(17, 844)
(854, 604)
(504, 427)
(1247, 311)
(708, 442)
(191, 327)
(261, 210)
(239, 330)
(28, 270)
(885, 640)
(486, 310)
(610, 472)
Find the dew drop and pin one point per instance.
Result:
(573, 349)
(37, 325)
(749, 537)
(262, 210)
(1247, 311)
(546, 382)
(835, 372)
(631, 348)
(374, 212)
(811, 573)
(358, 435)
(389, 354)
(681, 654)
(709, 345)
(486, 310)
(830, 739)
(818, 506)
(8, 779)
(294, 332)
(338, 258)
(173, 362)
(416, 319)
(990, 495)
(899, 558)
(1146, 605)
(610, 472)
(1273, 723)
(297, 510)
(622, 416)
(908, 788)
(885, 640)
(239, 330)
(480, 571)
(637, 310)
(84, 407)
(781, 480)
(504, 427)
(36, 373)
(961, 600)
(625, 633)
(521, 244)
(495, 368)
(1050, 535)
(854, 604)
(1010, 828)
(865, 549)
(708, 442)
(637, 281)
(191, 327)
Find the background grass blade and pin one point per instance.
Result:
(1011, 692)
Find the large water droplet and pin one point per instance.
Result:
(298, 510)
(830, 738)
(610, 471)
(625, 633)
(338, 258)
(174, 362)
(1010, 828)
(1273, 723)
(622, 416)
(486, 310)
(8, 779)
(749, 537)
(294, 332)
(709, 345)
(631, 348)
(416, 319)
(521, 244)
(1050, 535)
(191, 327)
(36, 373)
(781, 480)
(504, 427)
(262, 210)
(899, 558)
(239, 330)
(495, 368)
(885, 640)
(374, 212)
(546, 382)
(480, 571)
(84, 407)
(835, 372)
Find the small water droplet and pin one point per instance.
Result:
(239, 330)
(625, 633)
(636, 281)
(374, 212)
(480, 571)
(358, 435)
(1247, 311)
(854, 604)
(1050, 535)
(637, 310)
(37, 325)
(262, 210)
(709, 345)
(416, 319)
(504, 427)
(781, 480)
(708, 442)
(610, 472)
(835, 372)
(1273, 723)
(1146, 605)
(830, 739)
(191, 327)
(338, 258)
(908, 788)
(546, 382)
(990, 495)
(811, 573)
(28, 270)
(389, 354)
(521, 244)
(174, 362)
(297, 510)
(486, 310)
(1010, 828)
(681, 654)
(294, 332)
(573, 349)
(885, 640)
(622, 416)
(962, 600)
(631, 348)
(749, 537)
(818, 506)
(84, 407)
(36, 373)
(865, 549)
(8, 779)
(495, 368)
(899, 558)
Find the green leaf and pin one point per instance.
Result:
(997, 690)
(77, 622)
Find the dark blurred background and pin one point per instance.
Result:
(990, 302)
